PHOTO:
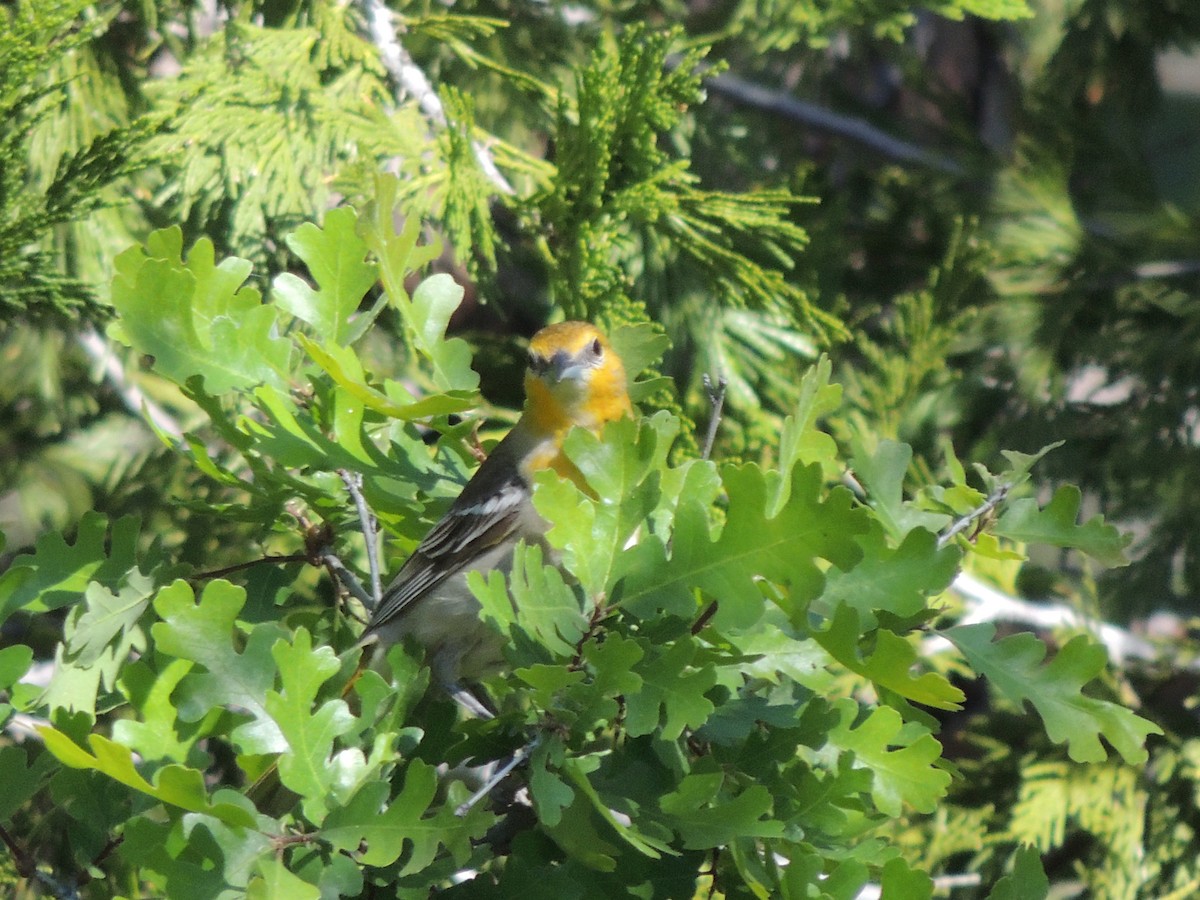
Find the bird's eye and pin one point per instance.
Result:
(536, 364)
(597, 348)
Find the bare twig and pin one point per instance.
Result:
(366, 522)
(962, 524)
(411, 80)
(858, 130)
(349, 580)
(716, 400)
(271, 558)
(521, 754)
(131, 395)
(704, 618)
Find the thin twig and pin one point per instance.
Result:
(961, 524)
(271, 558)
(858, 130)
(349, 580)
(131, 395)
(105, 852)
(521, 754)
(410, 80)
(716, 400)
(366, 522)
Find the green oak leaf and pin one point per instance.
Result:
(22, 779)
(1026, 881)
(800, 440)
(203, 633)
(549, 792)
(175, 785)
(542, 606)
(640, 346)
(57, 573)
(1055, 524)
(196, 318)
(387, 829)
(882, 475)
(905, 775)
(773, 652)
(896, 580)
(14, 663)
(890, 664)
(157, 733)
(577, 768)
(344, 367)
(105, 614)
(1014, 666)
(275, 881)
(336, 259)
(620, 468)
(899, 880)
(782, 549)
(305, 767)
(705, 817)
(672, 693)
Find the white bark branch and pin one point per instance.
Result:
(410, 80)
(987, 603)
(135, 400)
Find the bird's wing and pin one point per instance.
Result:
(487, 513)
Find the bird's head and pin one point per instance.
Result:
(574, 378)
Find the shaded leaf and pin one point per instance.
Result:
(672, 694)
(782, 549)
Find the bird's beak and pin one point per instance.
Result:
(564, 367)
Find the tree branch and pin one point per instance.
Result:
(411, 80)
(961, 524)
(366, 522)
(987, 603)
(817, 117)
(131, 395)
(716, 399)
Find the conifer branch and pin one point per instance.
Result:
(411, 80)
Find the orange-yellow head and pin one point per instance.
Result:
(574, 378)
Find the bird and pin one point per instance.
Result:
(574, 378)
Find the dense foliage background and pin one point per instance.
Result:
(921, 245)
